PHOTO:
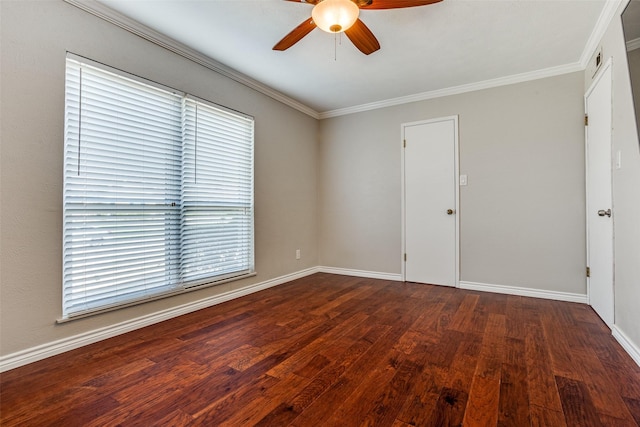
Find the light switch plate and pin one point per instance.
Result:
(463, 180)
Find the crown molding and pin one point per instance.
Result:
(609, 10)
(101, 11)
(98, 9)
(456, 90)
(606, 15)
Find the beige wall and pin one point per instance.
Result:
(35, 36)
(522, 213)
(626, 186)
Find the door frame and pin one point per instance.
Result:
(592, 86)
(456, 172)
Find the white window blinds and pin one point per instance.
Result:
(158, 191)
(217, 193)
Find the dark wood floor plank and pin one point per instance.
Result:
(460, 371)
(513, 409)
(328, 377)
(365, 399)
(634, 408)
(265, 404)
(328, 393)
(452, 301)
(162, 382)
(514, 385)
(221, 381)
(542, 385)
(379, 404)
(558, 346)
(336, 350)
(479, 321)
(317, 363)
(344, 335)
(389, 401)
(492, 303)
(484, 395)
(456, 378)
(422, 399)
(482, 405)
(577, 405)
(221, 411)
(619, 367)
(423, 395)
(161, 399)
(426, 328)
(515, 351)
(362, 373)
(64, 375)
(583, 313)
(544, 417)
(357, 293)
(516, 317)
(461, 320)
(449, 409)
(596, 380)
(281, 415)
(607, 420)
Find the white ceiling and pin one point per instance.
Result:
(423, 49)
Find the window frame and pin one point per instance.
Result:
(180, 286)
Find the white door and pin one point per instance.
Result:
(599, 200)
(430, 201)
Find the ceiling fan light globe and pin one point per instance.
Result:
(335, 16)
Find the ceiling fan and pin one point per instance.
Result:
(337, 16)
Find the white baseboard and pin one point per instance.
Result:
(525, 292)
(627, 344)
(43, 351)
(361, 273)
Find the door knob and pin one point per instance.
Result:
(602, 212)
(451, 211)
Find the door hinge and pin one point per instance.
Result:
(404, 143)
(588, 272)
(586, 120)
(405, 257)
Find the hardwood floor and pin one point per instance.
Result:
(331, 350)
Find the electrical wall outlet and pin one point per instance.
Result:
(297, 253)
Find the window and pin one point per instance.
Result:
(158, 191)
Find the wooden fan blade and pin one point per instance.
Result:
(296, 35)
(305, 1)
(395, 4)
(362, 37)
